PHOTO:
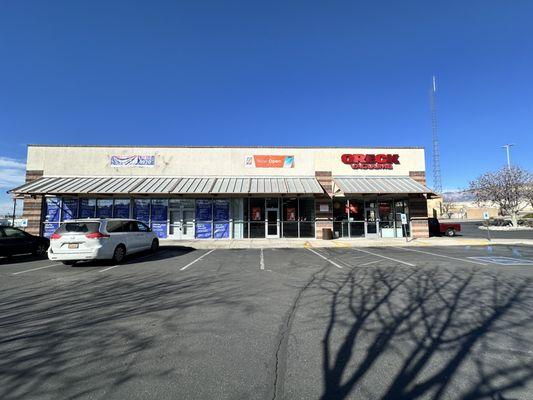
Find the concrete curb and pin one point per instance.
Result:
(317, 243)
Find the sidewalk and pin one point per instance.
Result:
(317, 243)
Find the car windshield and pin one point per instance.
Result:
(78, 227)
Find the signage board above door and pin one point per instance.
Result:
(268, 161)
(371, 161)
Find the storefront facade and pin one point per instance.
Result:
(187, 193)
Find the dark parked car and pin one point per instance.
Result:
(437, 228)
(16, 241)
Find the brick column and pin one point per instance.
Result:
(419, 176)
(418, 212)
(33, 206)
(324, 219)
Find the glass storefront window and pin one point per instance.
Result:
(257, 209)
(290, 217)
(141, 210)
(221, 217)
(307, 217)
(121, 208)
(69, 208)
(104, 208)
(204, 219)
(87, 208)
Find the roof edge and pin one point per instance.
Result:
(220, 147)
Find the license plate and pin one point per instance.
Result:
(73, 245)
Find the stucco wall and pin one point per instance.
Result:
(194, 161)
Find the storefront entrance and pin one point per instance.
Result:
(371, 222)
(181, 219)
(272, 223)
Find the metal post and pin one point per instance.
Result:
(14, 211)
(507, 146)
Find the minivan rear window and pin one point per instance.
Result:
(78, 227)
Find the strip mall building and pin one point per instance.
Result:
(230, 192)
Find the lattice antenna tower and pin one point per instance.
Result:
(437, 181)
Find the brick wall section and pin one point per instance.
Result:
(324, 219)
(418, 212)
(419, 176)
(33, 207)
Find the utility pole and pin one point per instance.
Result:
(437, 181)
(506, 147)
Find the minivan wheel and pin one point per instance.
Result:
(155, 245)
(69, 262)
(119, 254)
(450, 232)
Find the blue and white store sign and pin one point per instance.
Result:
(135, 161)
(51, 219)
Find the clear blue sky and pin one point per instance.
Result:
(346, 73)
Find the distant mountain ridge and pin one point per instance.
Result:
(458, 196)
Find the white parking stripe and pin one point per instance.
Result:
(441, 255)
(385, 257)
(325, 258)
(35, 269)
(198, 259)
(262, 260)
(108, 268)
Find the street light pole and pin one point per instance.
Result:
(507, 146)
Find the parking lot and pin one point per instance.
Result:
(333, 323)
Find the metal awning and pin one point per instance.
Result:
(379, 185)
(170, 185)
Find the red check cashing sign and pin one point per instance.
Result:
(371, 161)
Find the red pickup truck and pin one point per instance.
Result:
(437, 228)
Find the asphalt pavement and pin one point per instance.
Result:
(471, 229)
(331, 323)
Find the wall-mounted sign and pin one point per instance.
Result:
(268, 161)
(135, 161)
(370, 161)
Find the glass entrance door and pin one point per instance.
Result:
(371, 222)
(181, 219)
(272, 223)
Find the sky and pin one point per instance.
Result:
(301, 73)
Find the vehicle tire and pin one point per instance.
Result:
(69, 262)
(155, 245)
(40, 249)
(450, 232)
(119, 254)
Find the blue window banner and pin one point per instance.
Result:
(104, 208)
(121, 208)
(221, 210)
(221, 230)
(87, 207)
(141, 210)
(69, 208)
(160, 229)
(204, 210)
(203, 230)
(53, 207)
(49, 228)
(159, 210)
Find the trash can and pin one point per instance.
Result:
(327, 233)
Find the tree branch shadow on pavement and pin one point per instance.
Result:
(89, 334)
(402, 333)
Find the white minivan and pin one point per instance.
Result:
(100, 239)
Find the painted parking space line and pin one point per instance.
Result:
(503, 260)
(385, 257)
(35, 269)
(325, 258)
(262, 260)
(443, 256)
(108, 268)
(196, 260)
